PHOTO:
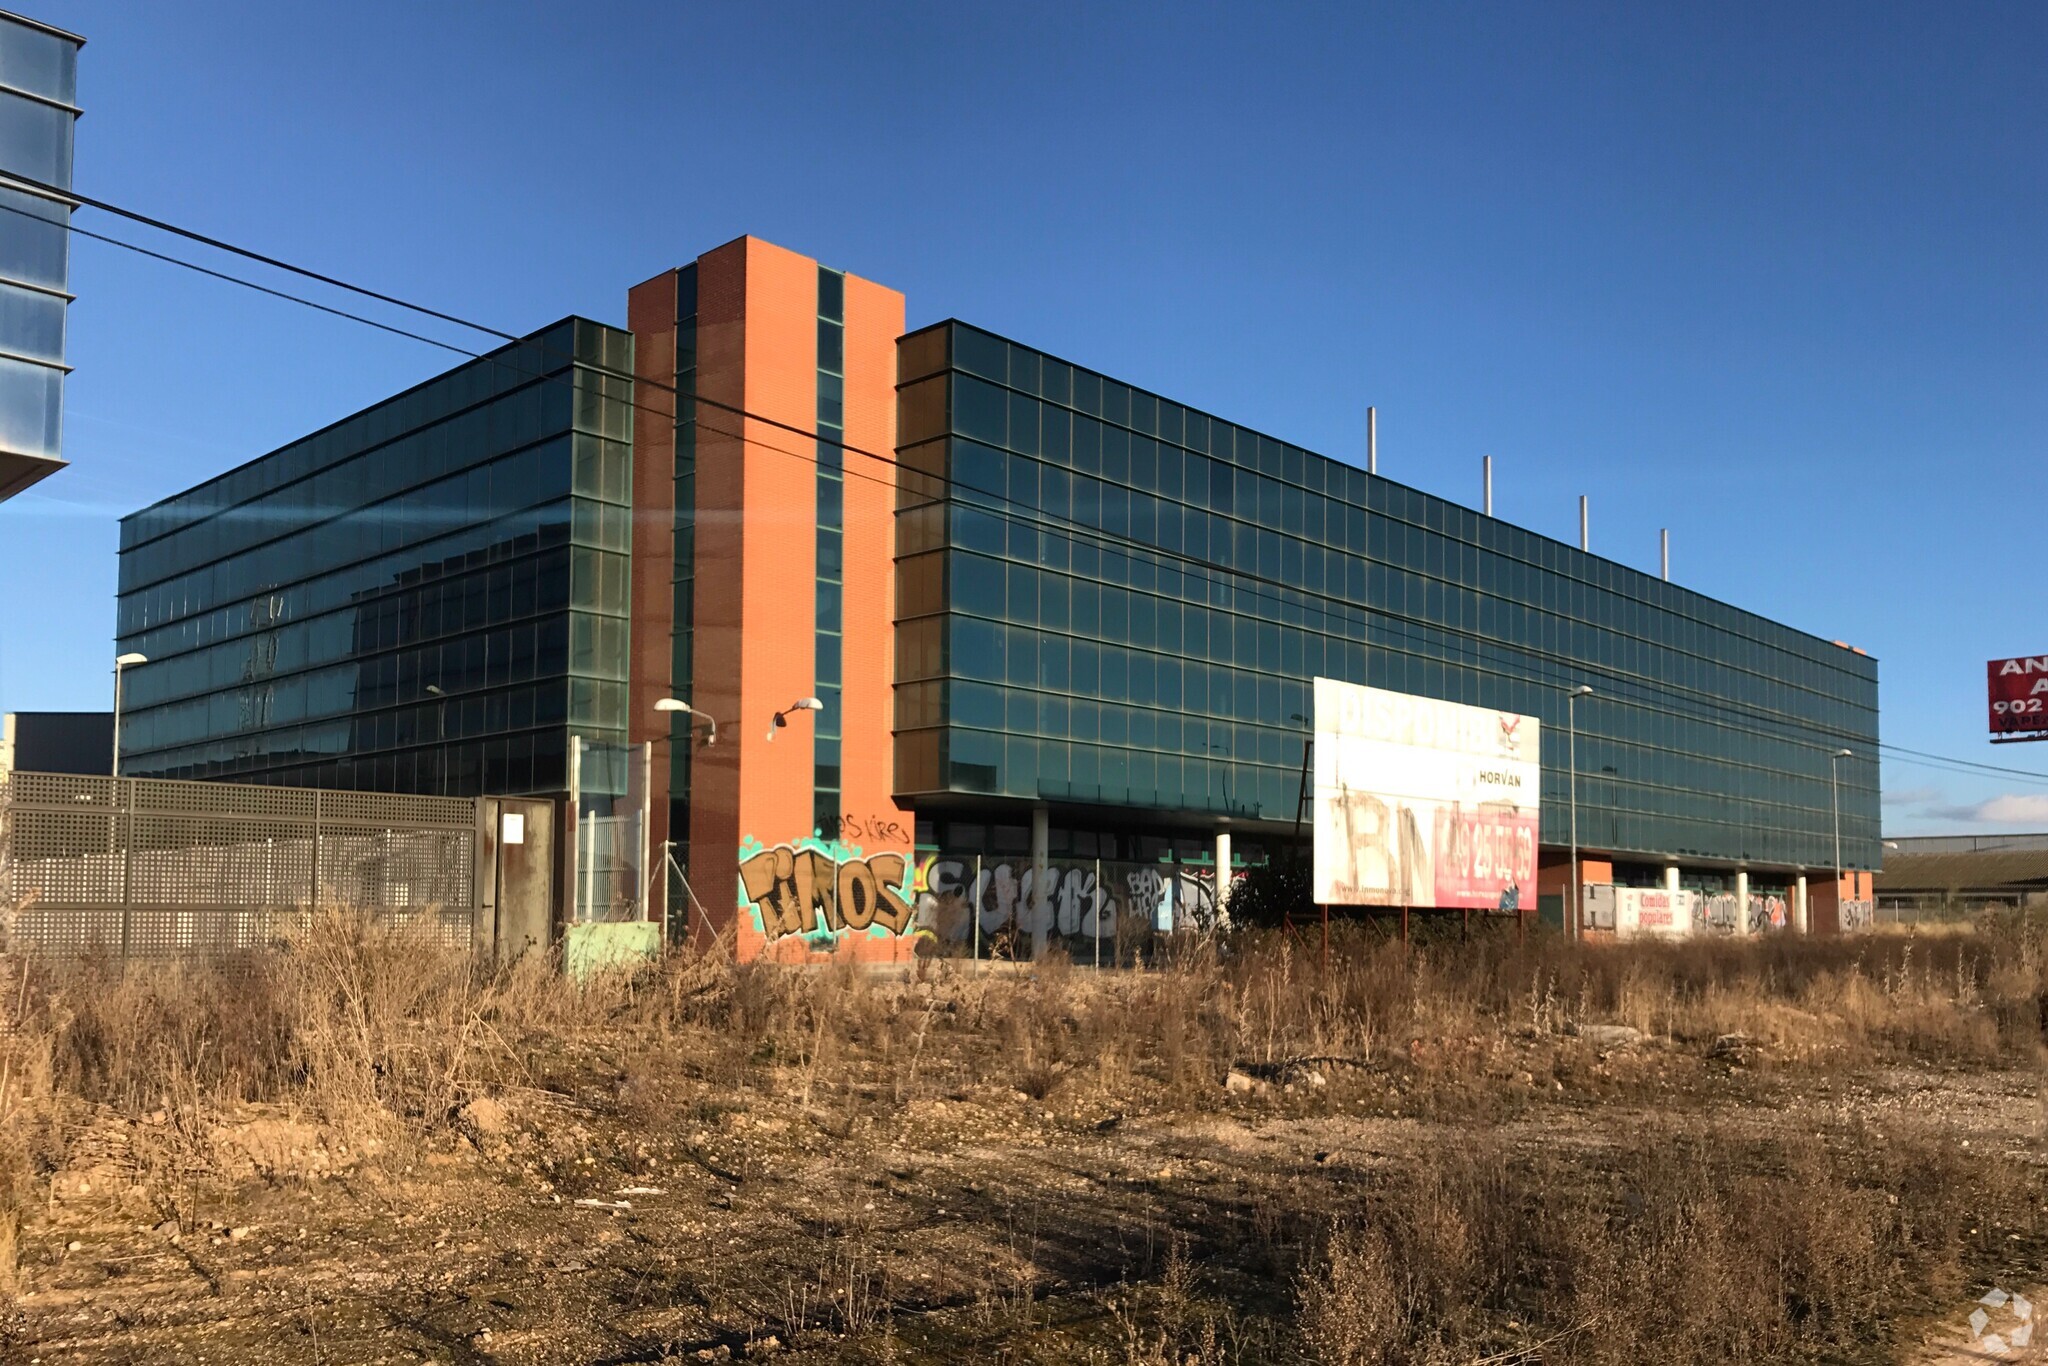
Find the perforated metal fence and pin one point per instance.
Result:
(147, 867)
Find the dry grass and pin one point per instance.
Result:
(1693, 1241)
(1698, 1245)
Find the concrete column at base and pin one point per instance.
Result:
(1671, 878)
(1041, 879)
(1742, 901)
(1222, 875)
(1799, 905)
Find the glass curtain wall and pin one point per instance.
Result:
(1105, 597)
(429, 596)
(38, 114)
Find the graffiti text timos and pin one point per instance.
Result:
(798, 890)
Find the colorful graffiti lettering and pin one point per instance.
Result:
(1766, 912)
(817, 887)
(1715, 912)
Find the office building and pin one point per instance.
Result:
(429, 596)
(1047, 618)
(38, 114)
(57, 742)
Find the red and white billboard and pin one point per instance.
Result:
(1421, 802)
(2019, 694)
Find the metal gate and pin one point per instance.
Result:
(149, 867)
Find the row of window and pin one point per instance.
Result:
(506, 764)
(576, 645)
(1444, 663)
(831, 533)
(925, 412)
(299, 545)
(1035, 503)
(537, 585)
(1622, 748)
(422, 532)
(499, 373)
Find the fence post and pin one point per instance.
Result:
(313, 909)
(124, 793)
(1100, 900)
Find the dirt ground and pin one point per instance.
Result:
(618, 1204)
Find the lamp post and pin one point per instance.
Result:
(677, 704)
(1835, 790)
(440, 712)
(801, 704)
(1571, 719)
(668, 846)
(121, 662)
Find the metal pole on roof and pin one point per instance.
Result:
(1486, 463)
(1372, 440)
(1664, 537)
(1585, 534)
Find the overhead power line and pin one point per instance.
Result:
(1105, 538)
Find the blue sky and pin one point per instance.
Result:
(1768, 275)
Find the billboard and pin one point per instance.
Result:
(2019, 693)
(1423, 803)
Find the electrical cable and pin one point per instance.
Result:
(1106, 539)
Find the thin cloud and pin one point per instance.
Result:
(2010, 808)
(1913, 796)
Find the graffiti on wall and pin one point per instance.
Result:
(882, 830)
(1656, 913)
(1723, 913)
(1080, 900)
(821, 889)
(1714, 913)
(1857, 916)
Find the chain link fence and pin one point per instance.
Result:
(156, 868)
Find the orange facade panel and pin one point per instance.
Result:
(754, 849)
(779, 571)
(870, 816)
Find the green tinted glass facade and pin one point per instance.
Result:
(430, 596)
(1108, 599)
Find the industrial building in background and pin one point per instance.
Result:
(77, 742)
(38, 114)
(938, 634)
(1934, 877)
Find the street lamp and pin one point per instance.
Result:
(1571, 718)
(677, 704)
(1835, 789)
(801, 704)
(121, 662)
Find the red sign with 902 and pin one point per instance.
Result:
(2019, 693)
